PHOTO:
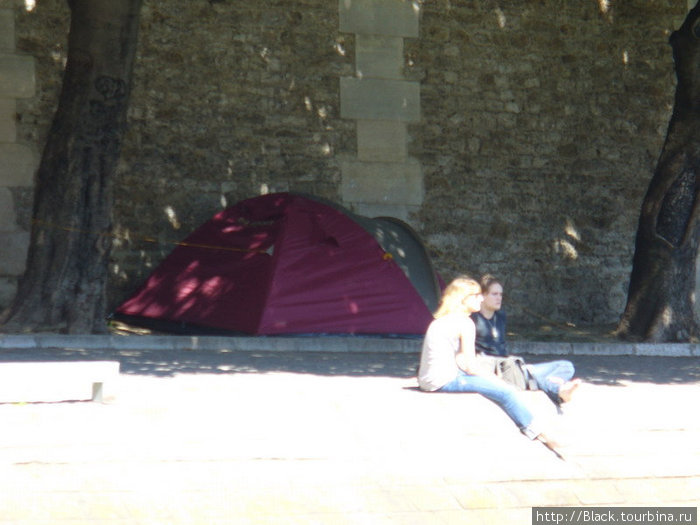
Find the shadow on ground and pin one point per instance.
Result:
(604, 370)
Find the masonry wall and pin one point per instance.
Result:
(542, 123)
(517, 137)
(18, 157)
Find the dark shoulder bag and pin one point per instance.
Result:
(512, 370)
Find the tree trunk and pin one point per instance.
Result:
(662, 285)
(63, 287)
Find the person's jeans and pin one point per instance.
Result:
(551, 375)
(503, 394)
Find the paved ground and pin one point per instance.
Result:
(236, 437)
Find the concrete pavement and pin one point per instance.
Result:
(212, 433)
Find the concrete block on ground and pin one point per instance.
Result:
(379, 17)
(379, 99)
(14, 253)
(8, 125)
(382, 141)
(382, 182)
(46, 382)
(17, 76)
(19, 164)
(379, 57)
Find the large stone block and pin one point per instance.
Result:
(382, 182)
(8, 217)
(14, 252)
(8, 127)
(53, 381)
(379, 56)
(379, 99)
(7, 29)
(19, 163)
(382, 140)
(379, 17)
(17, 77)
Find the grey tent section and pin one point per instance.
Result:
(405, 246)
(399, 239)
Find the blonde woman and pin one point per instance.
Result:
(449, 363)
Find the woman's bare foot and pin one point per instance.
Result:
(567, 390)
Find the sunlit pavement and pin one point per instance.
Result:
(214, 437)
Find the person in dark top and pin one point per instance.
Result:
(491, 333)
(554, 378)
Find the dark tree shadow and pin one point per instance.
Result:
(612, 370)
(601, 370)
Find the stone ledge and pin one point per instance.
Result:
(329, 344)
(605, 349)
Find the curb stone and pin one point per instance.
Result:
(348, 344)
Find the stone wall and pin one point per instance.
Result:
(542, 123)
(18, 157)
(527, 137)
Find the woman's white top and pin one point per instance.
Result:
(440, 346)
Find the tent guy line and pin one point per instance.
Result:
(47, 225)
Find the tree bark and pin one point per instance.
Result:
(63, 287)
(662, 285)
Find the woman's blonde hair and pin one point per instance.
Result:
(454, 294)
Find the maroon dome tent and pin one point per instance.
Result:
(288, 263)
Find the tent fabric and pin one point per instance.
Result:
(287, 263)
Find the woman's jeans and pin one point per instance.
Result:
(551, 375)
(504, 395)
